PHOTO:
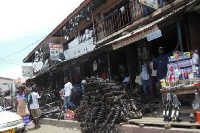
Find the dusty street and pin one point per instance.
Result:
(51, 129)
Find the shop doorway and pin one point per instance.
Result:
(118, 62)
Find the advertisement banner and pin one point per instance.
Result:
(150, 3)
(79, 50)
(135, 36)
(27, 71)
(55, 50)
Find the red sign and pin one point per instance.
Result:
(136, 35)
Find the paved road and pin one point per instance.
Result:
(51, 129)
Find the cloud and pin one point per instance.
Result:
(24, 17)
(25, 21)
(14, 72)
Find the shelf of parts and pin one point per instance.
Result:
(182, 90)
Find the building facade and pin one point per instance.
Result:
(5, 84)
(111, 36)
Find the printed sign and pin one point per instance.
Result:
(79, 50)
(150, 3)
(135, 36)
(55, 51)
(154, 35)
(27, 71)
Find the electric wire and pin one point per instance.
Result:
(24, 48)
(3, 62)
(10, 60)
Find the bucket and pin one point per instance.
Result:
(198, 116)
(69, 115)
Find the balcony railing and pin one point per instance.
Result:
(124, 16)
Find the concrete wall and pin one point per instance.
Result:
(5, 80)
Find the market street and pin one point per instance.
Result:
(51, 129)
(100, 66)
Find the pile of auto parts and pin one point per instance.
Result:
(49, 96)
(103, 105)
(52, 106)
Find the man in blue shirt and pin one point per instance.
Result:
(161, 63)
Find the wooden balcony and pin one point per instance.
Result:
(123, 17)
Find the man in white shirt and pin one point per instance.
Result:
(83, 82)
(34, 106)
(68, 90)
(145, 77)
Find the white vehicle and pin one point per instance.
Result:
(10, 122)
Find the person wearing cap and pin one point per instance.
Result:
(161, 63)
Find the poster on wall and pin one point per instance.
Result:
(150, 3)
(27, 72)
(55, 51)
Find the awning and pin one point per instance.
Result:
(143, 32)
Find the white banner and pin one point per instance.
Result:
(79, 50)
(27, 71)
(55, 50)
(150, 3)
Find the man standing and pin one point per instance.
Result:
(68, 89)
(153, 75)
(34, 106)
(161, 63)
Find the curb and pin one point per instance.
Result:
(61, 123)
(122, 128)
(128, 128)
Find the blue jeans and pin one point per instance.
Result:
(144, 85)
(67, 101)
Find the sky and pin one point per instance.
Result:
(23, 22)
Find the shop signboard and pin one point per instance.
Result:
(27, 72)
(150, 3)
(79, 50)
(136, 35)
(55, 51)
(154, 35)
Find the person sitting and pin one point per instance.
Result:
(126, 79)
(126, 82)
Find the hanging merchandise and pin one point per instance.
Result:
(94, 65)
(183, 71)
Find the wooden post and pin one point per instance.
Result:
(179, 35)
(108, 59)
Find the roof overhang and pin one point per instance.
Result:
(83, 4)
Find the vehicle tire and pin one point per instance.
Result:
(22, 131)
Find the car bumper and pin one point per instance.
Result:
(18, 127)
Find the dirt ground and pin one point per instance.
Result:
(51, 129)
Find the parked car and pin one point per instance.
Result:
(10, 122)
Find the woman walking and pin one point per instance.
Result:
(21, 106)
